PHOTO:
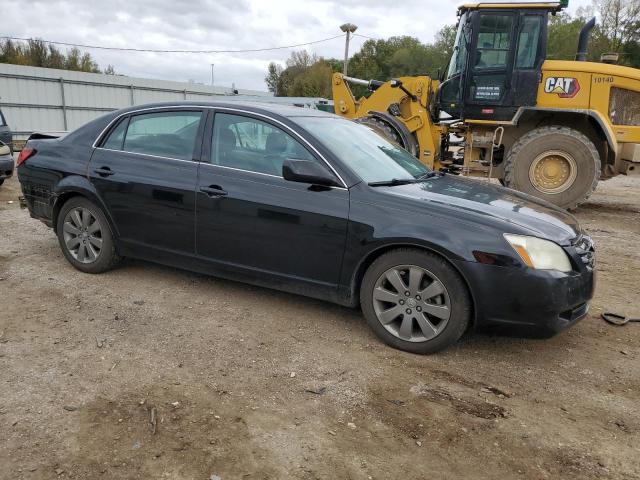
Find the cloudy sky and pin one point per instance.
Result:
(219, 25)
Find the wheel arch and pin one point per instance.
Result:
(589, 122)
(78, 186)
(371, 256)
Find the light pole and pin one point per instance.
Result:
(212, 92)
(348, 28)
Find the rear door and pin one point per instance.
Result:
(145, 170)
(251, 218)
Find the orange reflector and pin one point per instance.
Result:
(524, 255)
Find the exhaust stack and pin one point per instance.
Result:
(583, 40)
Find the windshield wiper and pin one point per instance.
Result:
(406, 181)
(393, 182)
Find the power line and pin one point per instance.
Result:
(363, 36)
(149, 50)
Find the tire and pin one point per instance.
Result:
(385, 130)
(1, 181)
(95, 235)
(451, 298)
(578, 157)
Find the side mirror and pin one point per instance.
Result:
(4, 149)
(307, 171)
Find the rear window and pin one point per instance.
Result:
(161, 134)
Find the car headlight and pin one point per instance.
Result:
(539, 254)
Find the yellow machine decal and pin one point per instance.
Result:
(564, 87)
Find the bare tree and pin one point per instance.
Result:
(619, 22)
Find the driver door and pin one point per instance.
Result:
(249, 218)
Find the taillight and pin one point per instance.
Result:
(25, 153)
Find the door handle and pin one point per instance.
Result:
(214, 191)
(104, 171)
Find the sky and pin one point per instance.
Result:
(220, 25)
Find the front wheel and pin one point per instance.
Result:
(415, 301)
(558, 164)
(85, 236)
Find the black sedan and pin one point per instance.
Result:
(304, 201)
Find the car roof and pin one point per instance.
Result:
(256, 107)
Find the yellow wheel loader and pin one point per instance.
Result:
(548, 128)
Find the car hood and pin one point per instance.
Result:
(491, 202)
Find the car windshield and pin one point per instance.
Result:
(369, 155)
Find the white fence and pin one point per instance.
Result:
(50, 100)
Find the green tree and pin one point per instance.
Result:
(274, 71)
(38, 53)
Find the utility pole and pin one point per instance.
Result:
(348, 28)
(212, 92)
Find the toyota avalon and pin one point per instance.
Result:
(307, 202)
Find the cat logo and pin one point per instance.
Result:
(564, 87)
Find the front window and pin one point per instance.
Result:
(493, 41)
(456, 64)
(367, 154)
(250, 144)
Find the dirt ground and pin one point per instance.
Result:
(249, 383)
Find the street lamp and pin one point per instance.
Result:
(348, 28)
(212, 91)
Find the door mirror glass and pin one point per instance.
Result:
(4, 149)
(306, 171)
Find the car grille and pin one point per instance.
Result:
(585, 248)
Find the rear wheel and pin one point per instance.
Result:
(85, 237)
(558, 164)
(1, 181)
(415, 301)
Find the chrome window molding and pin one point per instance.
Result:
(195, 162)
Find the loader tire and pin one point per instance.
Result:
(557, 164)
(387, 131)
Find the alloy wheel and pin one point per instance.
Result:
(82, 235)
(411, 303)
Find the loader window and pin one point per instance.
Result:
(459, 50)
(494, 38)
(528, 41)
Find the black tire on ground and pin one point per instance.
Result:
(460, 300)
(1, 181)
(385, 130)
(530, 146)
(107, 257)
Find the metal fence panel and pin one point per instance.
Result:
(50, 100)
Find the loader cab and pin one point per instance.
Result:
(497, 60)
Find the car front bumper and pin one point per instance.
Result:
(6, 167)
(527, 302)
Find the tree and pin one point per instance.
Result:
(38, 53)
(274, 71)
(619, 22)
